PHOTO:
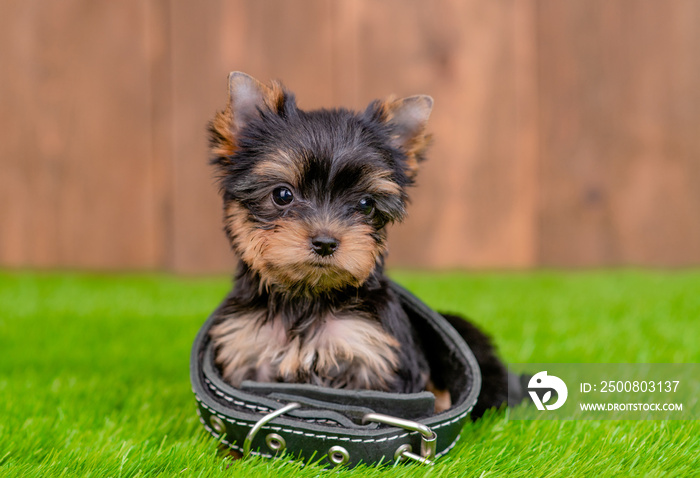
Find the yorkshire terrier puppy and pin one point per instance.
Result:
(307, 197)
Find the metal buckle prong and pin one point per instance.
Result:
(260, 423)
(428, 437)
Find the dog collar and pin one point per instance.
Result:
(336, 427)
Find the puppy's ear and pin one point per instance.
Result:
(247, 98)
(406, 119)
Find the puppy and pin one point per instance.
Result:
(307, 197)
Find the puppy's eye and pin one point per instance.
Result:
(282, 196)
(366, 206)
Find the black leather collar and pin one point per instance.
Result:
(334, 426)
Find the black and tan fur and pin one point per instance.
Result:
(307, 197)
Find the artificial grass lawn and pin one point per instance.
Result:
(94, 373)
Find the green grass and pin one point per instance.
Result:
(94, 373)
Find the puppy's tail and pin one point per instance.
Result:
(517, 388)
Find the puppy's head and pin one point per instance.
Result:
(307, 195)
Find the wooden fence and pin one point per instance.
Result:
(566, 133)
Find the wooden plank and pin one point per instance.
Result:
(82, 113)
(619, 115)
(289, 40)
(346, 18)
(468, 209)
(526, 152)
(16, 144)
(159, 51)
(199, 89)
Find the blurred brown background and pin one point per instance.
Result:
(566, 132)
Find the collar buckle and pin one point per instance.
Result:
(428, 437)
(260, 423)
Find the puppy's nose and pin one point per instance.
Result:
(324, 245)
